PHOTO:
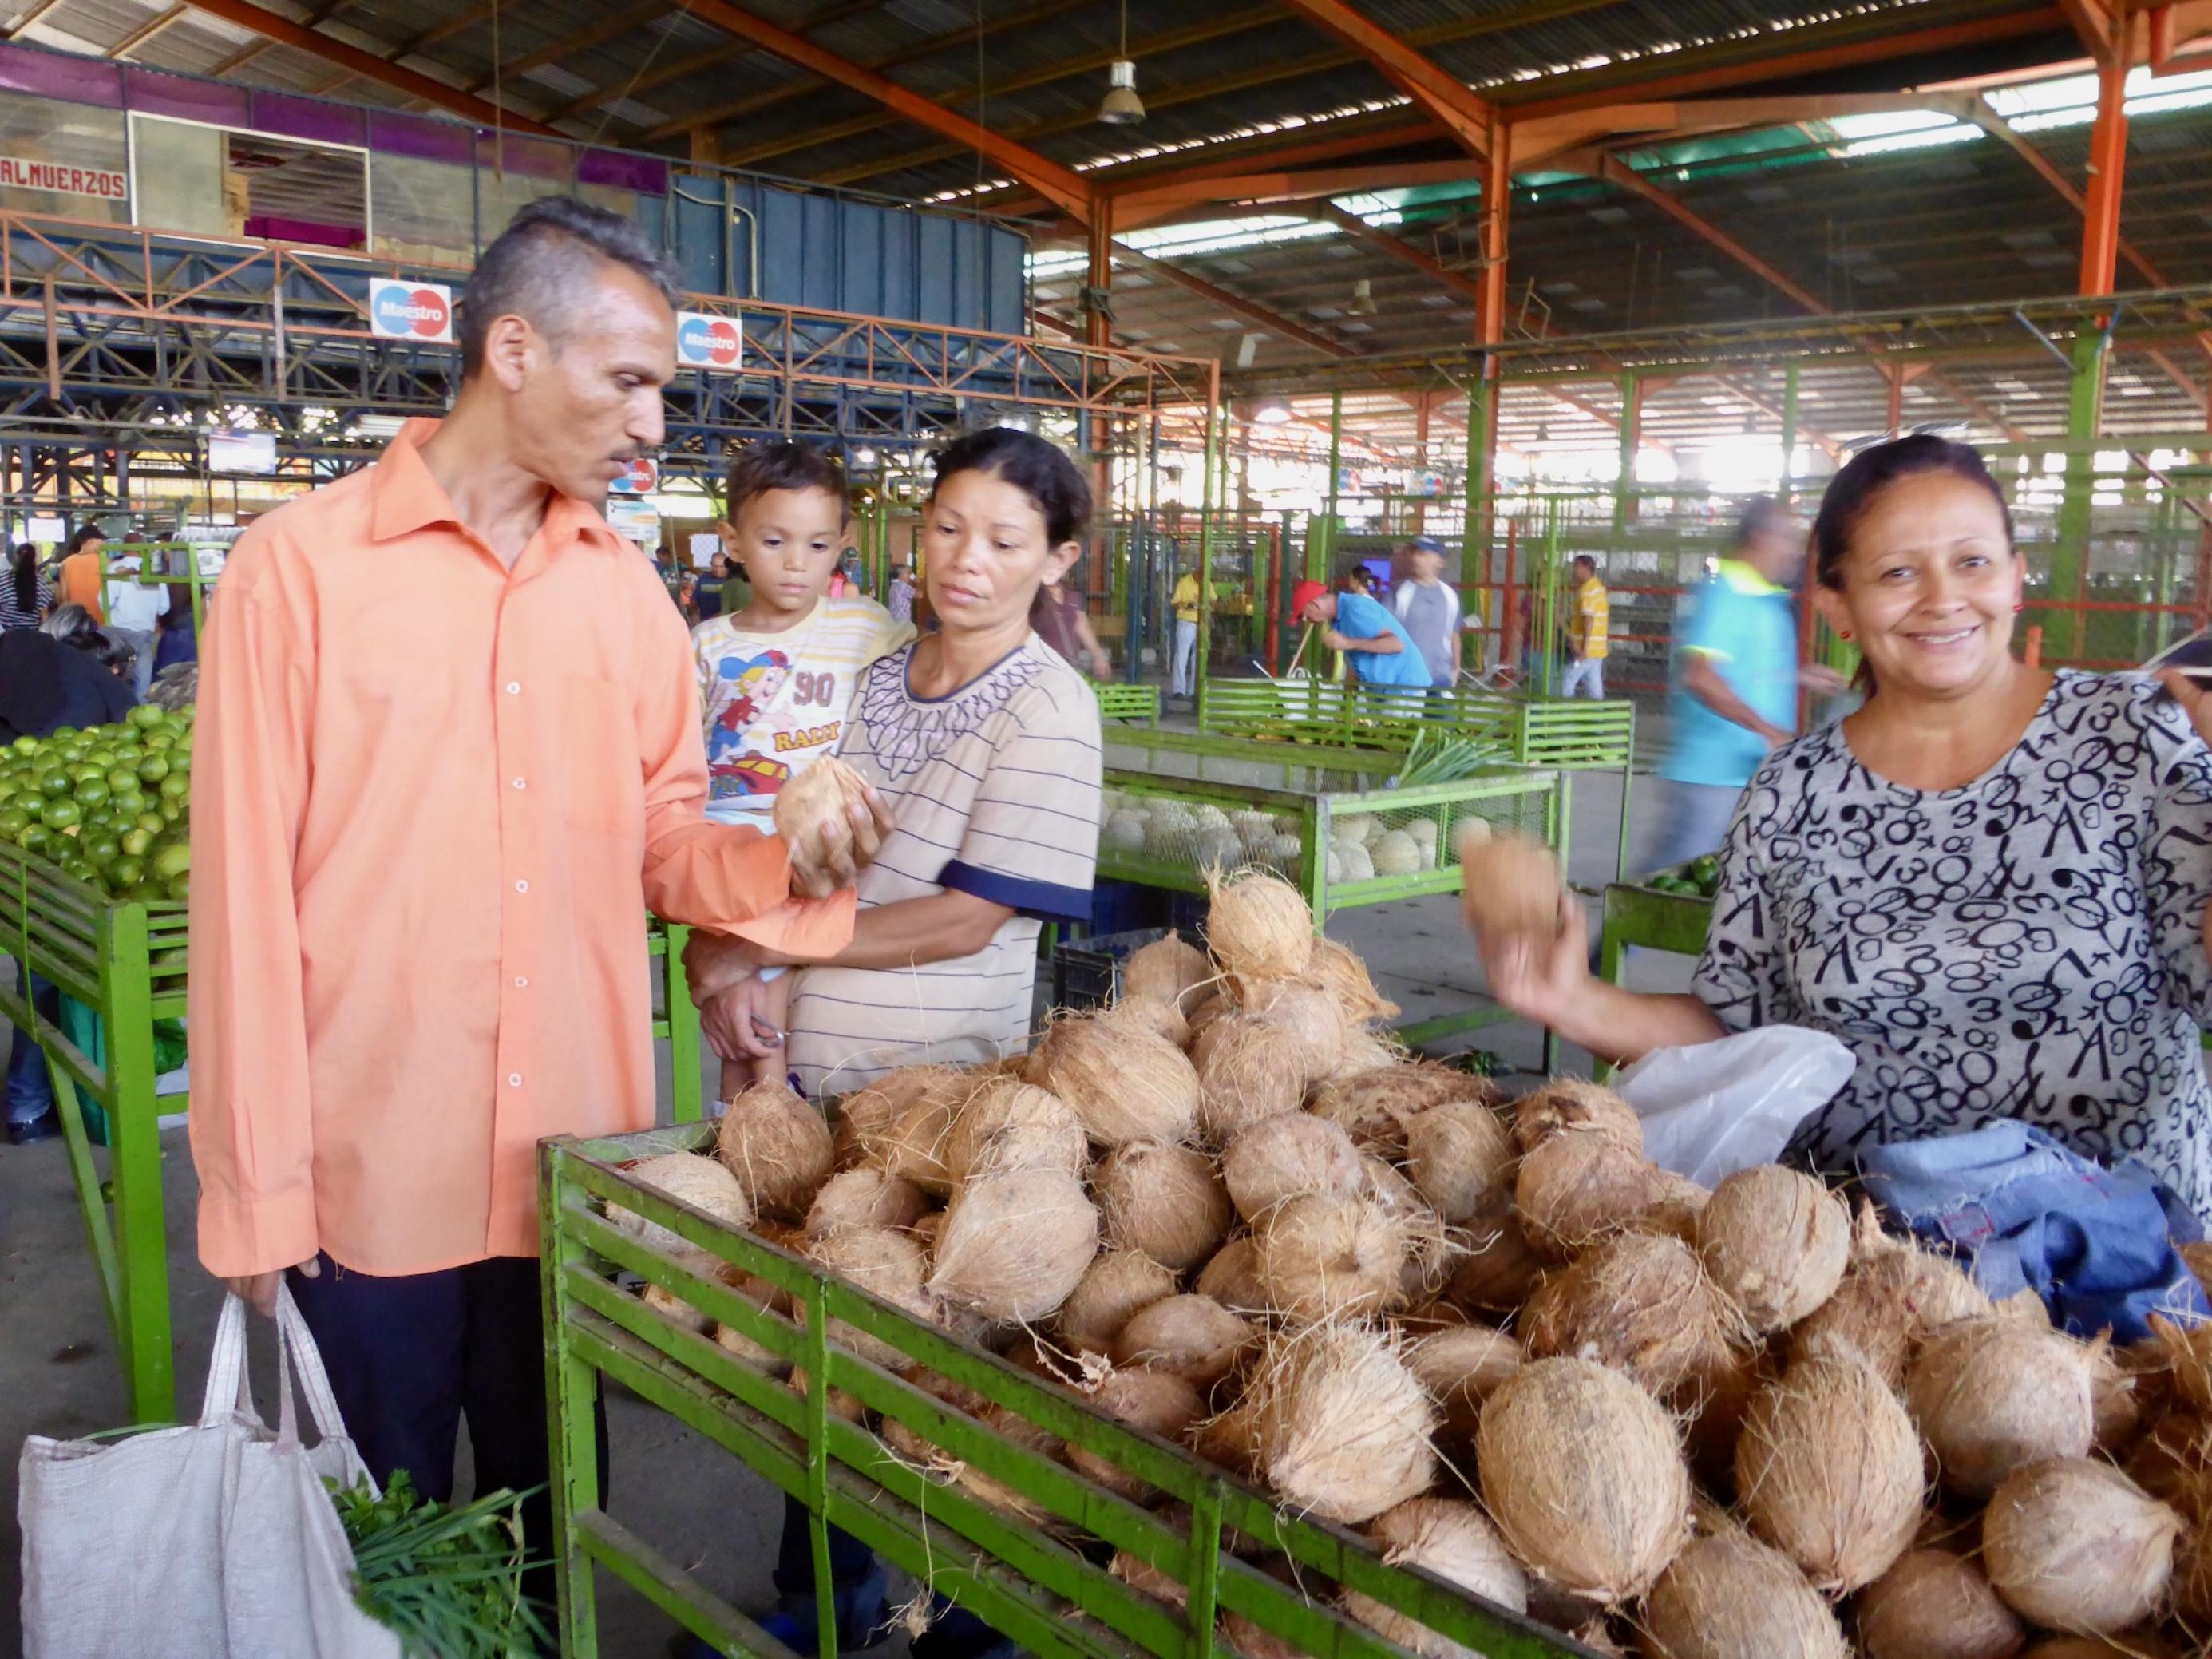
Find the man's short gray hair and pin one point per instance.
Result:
(540, 268)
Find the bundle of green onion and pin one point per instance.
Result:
(1442, 756)
(448, 1581)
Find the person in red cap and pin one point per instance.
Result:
(1375, 642)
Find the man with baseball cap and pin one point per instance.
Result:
(1428, 607)
(1375, 642)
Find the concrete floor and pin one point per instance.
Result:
(58, 1375)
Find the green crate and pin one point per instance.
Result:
(1565, 734)
(1044, 1588)
(1632, 916)
(120, 967)
(1118, 700)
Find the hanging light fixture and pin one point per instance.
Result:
(1122, 107)
(1272, 411)
(1362, 299)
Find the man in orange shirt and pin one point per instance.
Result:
(449, 752)
(80, 574)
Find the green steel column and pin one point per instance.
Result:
(1789, 433)
(1631, 411)
(684, 1098)
(572, 1388)
(1474, 536)
(2070, 559)
(135, 1168)
(1207, 504)
(1320, 549)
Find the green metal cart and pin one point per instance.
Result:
(1632, 916)
(120, 967)
(1042, 1583)
(1120, 701)
(1563, 733)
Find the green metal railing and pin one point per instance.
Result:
(120, 968)
(1041, 1585)
(1569, 734)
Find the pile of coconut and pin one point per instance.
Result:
(1491, 1336)
(1163, 829)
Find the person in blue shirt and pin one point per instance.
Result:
(1374, 641)
(1737, 679)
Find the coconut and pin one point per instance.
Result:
(1577, 1187)
(884, 1263)
(1259, 926)
(1580, 1470)
(1729, 1597)
(1497, 1272)
(822, 795)
(1121, 1083)
(864, 1197)
(2188, 1356)
(1460, 1160)
(1992, 1396)
(1009, 1424)
(1712, 1403)
(1115, 1286)
(689, 1179)
(667, 1304)
(1453, 1541)
(1322, 1255)
(1305, 1018)
(1008, 1124)
(1167, 1202)
(1162, 1019)
(1510, 886)
(2173, 1462)
(1377, 1106)
(1568, 1102)
(1247, 1073)
(841, 1404)
(1827, 1469)
(913, 1147)
(1336, 1425)
(1462, 1367)
(1192, 1337)
(1158, 1402)
(2115, 1402)
(1286, 1155)
(2135, 1645)
(1231, 1277)
(1170, 971)
(2192, 1576)
(1776, 1241)
(2075, 1545)
(1935, 1605)
(1638, 1303)
(1014, 1246)
(1889, 1300)
(1141, 1575)
(1336, 970)
(1429, 1246)
(864, 1117)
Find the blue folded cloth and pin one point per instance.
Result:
(2096, 1244)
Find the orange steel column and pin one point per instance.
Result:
(1490, 324)
(2108, 160)
(1097, 320)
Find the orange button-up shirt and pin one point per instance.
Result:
(431, 800)
(81, 584)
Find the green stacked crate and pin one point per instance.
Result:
(1036, 1580)
(1120, 701)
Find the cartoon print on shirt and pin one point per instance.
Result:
(733, 768)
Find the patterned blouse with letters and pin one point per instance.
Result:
(2027, 945)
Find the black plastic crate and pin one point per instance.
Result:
(1087, 972)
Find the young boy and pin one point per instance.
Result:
(777, 674)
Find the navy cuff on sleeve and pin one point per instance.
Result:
(1045, 900)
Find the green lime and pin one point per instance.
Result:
(62, 733)
(55, 782)
(152, 822)
(174, 960)
(146, 713)
(160, 741)
(133, 841)
(125, 874)
(33, 807)
(180, 888)
(122, 781)
(94, 791)
(178, 785)
(35, 839)
(14, 820)
(100, 848)
(63, 815)
(25, 745)
(154, 768)
(172, 860)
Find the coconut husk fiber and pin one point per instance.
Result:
(1336, 1425)
(1934, 1604)
(2073, 1545)
(1827, 1469)
(1728, 1596)
(1992, 1396)
(1639, 1303)
(1776, 1241)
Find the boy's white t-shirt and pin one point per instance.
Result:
(776, 702)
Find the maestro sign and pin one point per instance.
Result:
(401, 310)
(641, 478)
(705, 341)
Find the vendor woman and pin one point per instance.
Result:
(1990, 883)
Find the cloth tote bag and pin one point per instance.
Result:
(213, 1540)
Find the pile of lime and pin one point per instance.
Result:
(110, 806)
(1698, 878)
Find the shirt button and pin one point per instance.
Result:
(515, 1080)
(522, 887)
(521, 981)
(515, 688)
(518, 783)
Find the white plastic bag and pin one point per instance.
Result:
(1715, 1107)
(215, 1540)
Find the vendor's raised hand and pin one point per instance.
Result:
(1538, 975)
(2195, 700)
(841, 848)
(734, 1023)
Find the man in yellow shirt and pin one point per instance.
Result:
(1590, 616)
(1184, 683)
